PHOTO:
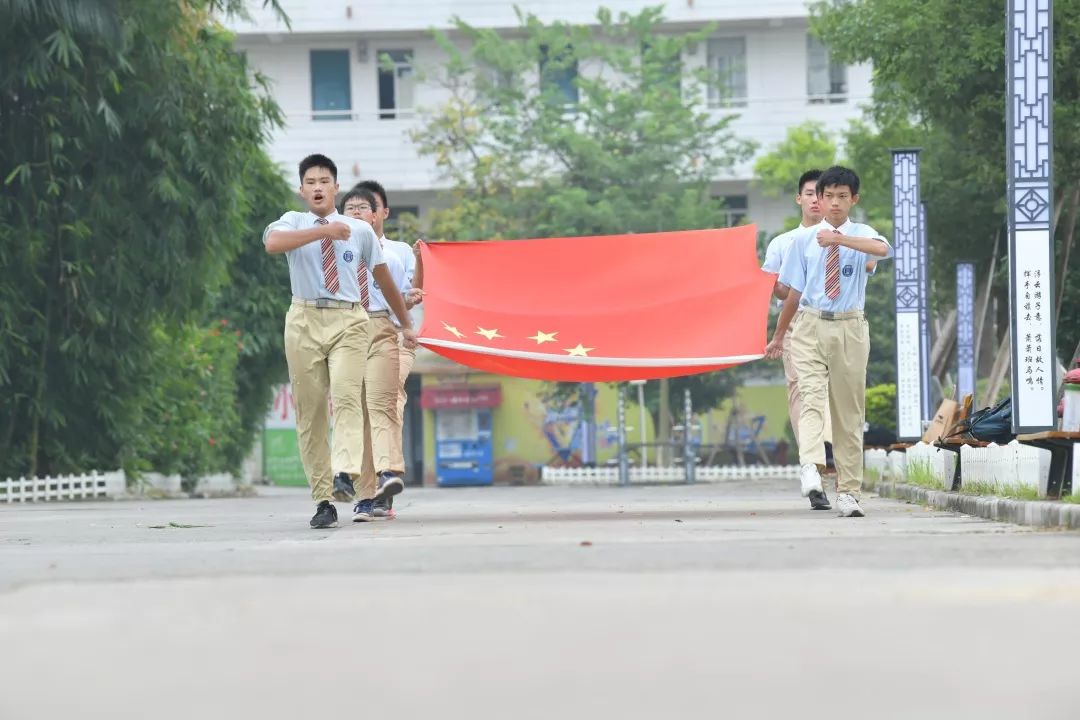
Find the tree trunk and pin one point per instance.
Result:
(1070, 231)
(1001, 368)
(984, 305)
(941, 351)
(37, 406)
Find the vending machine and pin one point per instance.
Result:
(463, 444)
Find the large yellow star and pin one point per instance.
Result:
(579, 351)
(454, 331)
(542, 337)
(489, 334)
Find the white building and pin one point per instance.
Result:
(340, 100)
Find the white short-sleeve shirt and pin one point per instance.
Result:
(305, 262)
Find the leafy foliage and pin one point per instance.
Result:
(133, 175)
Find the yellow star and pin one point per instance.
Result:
(579, 351)
(542, 337)
(453, 331)
(489, 334)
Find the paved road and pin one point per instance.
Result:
(711, 601)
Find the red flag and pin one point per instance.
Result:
(606, 308)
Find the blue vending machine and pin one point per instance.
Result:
(463, 447)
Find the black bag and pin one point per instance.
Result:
(990, 424)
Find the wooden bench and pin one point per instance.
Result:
(953, 444)
(1060, 444)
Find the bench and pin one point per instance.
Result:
(1061, 445)
(953, 444)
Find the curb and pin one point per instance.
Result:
(1034, 513)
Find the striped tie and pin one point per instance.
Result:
(329, 261)
(832, 271)
(361, 281)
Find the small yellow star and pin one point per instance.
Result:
(489, 334)
(579, 351)
(453, 331)
(542, 337)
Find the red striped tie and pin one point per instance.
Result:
(361, 280)
(329, 261)
(832, 271)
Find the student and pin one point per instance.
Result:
(413, 295)
(807, 200)
(383, 461)
(825, 270)
(326, 327)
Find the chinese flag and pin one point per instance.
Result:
(606, 308)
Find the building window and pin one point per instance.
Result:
(727, 62)
(331, 91)
(558, 74)
(396, 84)
(826, 80)
(735, 210)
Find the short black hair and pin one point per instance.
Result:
(375, 187)
(806, 177)
(838, 175)
(317, 160)
(358, 192)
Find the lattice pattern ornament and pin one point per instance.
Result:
(1029, 158)
(906, 243)
(965, 329)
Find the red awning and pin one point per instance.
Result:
(605, 308)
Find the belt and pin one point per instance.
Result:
(327, 303)
(830, 315)
(379, 313)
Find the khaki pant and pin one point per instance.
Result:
(326, 349)
(830, 358)
(406, 358)
(381, 424)
(793, 402)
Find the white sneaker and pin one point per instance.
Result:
(810, 479)
(848, 506)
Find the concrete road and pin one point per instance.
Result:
(711, 601)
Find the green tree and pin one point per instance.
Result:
(626, 145)
(132, 134)
(949, 87)
(804, 146)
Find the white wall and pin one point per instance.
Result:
(377, 16)
(367, 146)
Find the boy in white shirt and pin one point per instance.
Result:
(326, 328)
(825, 269)
(807, 200)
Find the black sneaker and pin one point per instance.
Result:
(325, 515)
(389, 485)
(343, 488)
(819, 500)
(362, 511)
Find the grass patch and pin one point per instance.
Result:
(871, 478)
(922, 476)
(1015, 492)
(1073, 499)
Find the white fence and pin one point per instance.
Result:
(93, 486)
(669, 475)
(998, 468)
